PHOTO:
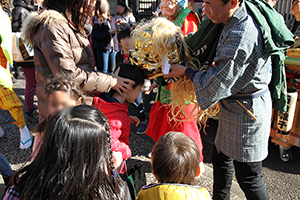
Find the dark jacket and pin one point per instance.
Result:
(101, 37)
(119, 58)
(19, 13)
(290, 25)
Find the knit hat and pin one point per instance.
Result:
(181, 2)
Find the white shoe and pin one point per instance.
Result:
(1, 132)
(25, 138)
(202, 168)
(149, 155)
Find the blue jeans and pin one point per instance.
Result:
(106, 61)
(5, 169)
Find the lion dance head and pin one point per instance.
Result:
(159, 43)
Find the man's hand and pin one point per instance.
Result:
(134, 120)
(175, 71)
(153, 85)
(122, 84)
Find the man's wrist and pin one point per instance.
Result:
(190, 74)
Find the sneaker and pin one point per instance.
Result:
(1, 132)
(142, 129)
(32, 116)
(25, 138)
(149, 155)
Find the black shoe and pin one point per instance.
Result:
(32, 116)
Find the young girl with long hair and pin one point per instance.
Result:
(104, 37)
(75, 161)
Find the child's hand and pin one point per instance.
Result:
(134, 120)
(118, 160)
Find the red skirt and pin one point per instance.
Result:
(159, 124)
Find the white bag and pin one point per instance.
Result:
(22, 51)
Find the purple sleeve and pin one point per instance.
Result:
(190, 74)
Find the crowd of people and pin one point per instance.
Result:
(84, 81)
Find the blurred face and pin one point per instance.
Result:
(295, 9)
(217, 11)
(168, 7)
(104, 6)
(130, 97)
(59, 100)
(126, 43)
(120, 9)
(271, 2)
(39, 2)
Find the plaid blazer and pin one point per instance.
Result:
(241, 66)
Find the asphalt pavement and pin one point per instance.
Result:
(282, 179)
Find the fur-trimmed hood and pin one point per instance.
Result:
(34, 20)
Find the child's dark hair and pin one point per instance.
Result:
(123, 34)
(175, 159)
(75, 160)
(63, 83)
(133, 73)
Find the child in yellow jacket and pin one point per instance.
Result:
(175, 164)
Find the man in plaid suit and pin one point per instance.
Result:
(242, 72)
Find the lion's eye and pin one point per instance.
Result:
(162, 2)
(169, 2)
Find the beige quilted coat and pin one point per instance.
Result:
(59, 48)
